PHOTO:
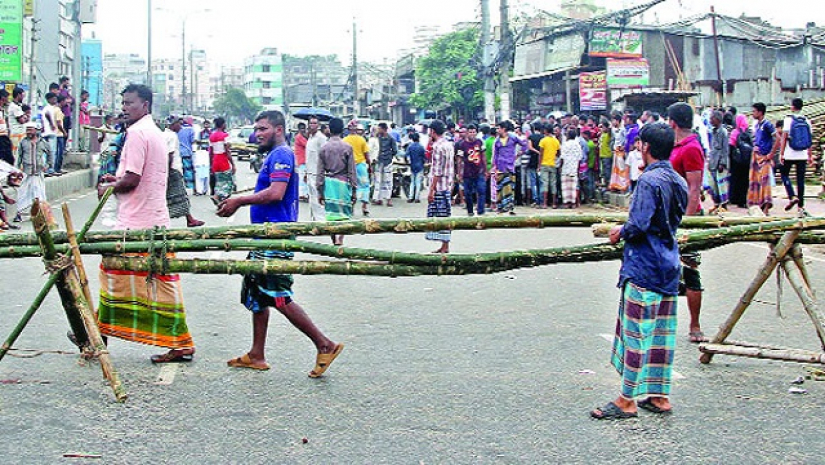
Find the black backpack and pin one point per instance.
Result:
(744, 148)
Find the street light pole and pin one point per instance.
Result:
(149, 47)
(183, 62)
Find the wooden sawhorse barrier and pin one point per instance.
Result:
(787, 255)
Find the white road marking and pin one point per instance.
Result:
(765, 247)
(167, 374)
(676, 375)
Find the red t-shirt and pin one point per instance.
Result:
(220, 154)
(300, 150)
(687, 156)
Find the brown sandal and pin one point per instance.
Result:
(323, 361)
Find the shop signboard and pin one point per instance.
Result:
(593, 91)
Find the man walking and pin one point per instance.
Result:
(688, 160)
(177, 199)
(796, 150)
(645, 337)
(336, 181)
(315, 140)
(134, 307)
(548, 173)
(186, 137)
(416, 155)
(474, 170)
(442, 174)
(301, 160)
(275, 200)
(387, 148)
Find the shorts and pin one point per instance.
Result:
(260, 291)
(690, 280)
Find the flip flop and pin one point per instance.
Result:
(697, 337)
(648, 405)
(171, 358)
(245, 362)
(612, 411)
(323, 361)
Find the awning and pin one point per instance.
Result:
(543, 74)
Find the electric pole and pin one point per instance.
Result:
(505, 58)
(487, 59)
(183, 63)
(149, 47)
(32, 79)
(357, 104)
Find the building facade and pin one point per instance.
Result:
(263, 79)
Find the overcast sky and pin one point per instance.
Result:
(233, 30)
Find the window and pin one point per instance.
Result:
(267, 100)
(171, 67)
(266, 84)
(266, 68)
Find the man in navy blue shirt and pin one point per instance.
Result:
(415, 156)
(649, 279)
(275, 201)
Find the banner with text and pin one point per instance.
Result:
(627, 73)
(615, 43)
(11, 32)
(593, 91)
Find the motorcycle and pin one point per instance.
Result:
(256, 161)
(401, 176)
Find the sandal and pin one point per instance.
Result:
(697, 337)
(612, 411)
(244, 361)
(648, 405)
(323, 361)
(172, 357)
(794, 201)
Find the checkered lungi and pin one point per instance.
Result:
(440, 207)
(644, 343)
(569, 187)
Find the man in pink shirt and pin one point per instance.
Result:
(132, 307)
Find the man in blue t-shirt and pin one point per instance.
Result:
(275, 200)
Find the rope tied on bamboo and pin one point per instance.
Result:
(60, 263)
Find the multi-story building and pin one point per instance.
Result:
(91, 77)
(263, 79)
(228, 77)
(314, 81)
(120, 70)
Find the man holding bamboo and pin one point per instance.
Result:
(132, 306)
(649, 279)
(275, 200)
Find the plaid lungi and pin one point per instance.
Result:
(224, 184)
(177, 199)
(569, 187)
(505, 191)
(644, 343)
(719, 185)
(440, 207)
(362, 172)
(141, 309)
(337, 199)
(759, 188)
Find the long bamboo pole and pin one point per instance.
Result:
(377, 226)
(778, 253)
(764, 353)
(44, 291)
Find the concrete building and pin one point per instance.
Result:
(120, 70)
(315, 81)
(263, 79)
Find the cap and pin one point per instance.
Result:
(31, 124)
(173, 119)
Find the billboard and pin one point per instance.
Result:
(615, 43)
(627, 73)
(593, 91)
(11, 32)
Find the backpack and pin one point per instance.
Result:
(800, 134)
(744, 148)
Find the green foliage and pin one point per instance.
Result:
(438, 73)
(235, 106)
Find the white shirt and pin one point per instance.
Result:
(173, 147)
(634, 161)
(790, 153)
(314, 145)
(49, 128)
(15, 111)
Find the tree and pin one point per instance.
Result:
(447, 74)
(235, 105)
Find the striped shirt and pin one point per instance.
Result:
(443, 165)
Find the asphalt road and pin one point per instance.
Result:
(458, 370)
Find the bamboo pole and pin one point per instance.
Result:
(799, 259)
(764, 353)
(88, 313)
(42, 225)
(377, 226)
(44, 291)
(782, 247)
(808, 302)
